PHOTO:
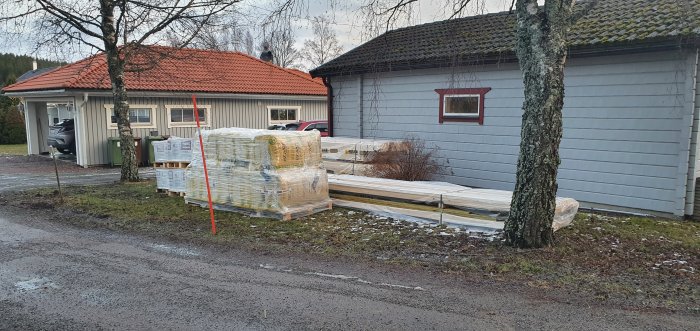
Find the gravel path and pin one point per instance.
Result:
(24, 172)
(54, 276)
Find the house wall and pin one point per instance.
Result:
(624, 144)
(224, 113)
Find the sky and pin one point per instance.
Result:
(347, 20)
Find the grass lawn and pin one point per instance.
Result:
(19, 149)
(629, 261)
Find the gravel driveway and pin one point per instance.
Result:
(23, 172)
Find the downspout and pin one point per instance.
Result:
(362, 106)
(687, 164)
(329, 100)
(80, 113)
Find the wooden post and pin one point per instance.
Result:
(441, 205)
(55, 167)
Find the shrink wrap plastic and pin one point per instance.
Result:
(261, 172)
(173, 150)
(351, 149)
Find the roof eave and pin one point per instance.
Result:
(504, 57)
(33, 93)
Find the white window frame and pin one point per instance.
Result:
(269, 114)
(193, 124)
(461, 115)
(109, 108)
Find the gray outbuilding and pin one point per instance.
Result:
(631, 109)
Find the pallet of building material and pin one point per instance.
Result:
(479, 200)
(173, 165)
(174, 149)
(351, 149)
(170, 180)
(257, 150)
(427, 192)
(171, 193)
(346, 168)
(261, 172)
(277, 191)
(289, 215)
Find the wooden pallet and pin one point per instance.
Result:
(171, 193)
(300, 212)
(171, 165)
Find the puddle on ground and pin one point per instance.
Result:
(174, 250)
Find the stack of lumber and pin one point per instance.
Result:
(262, 173)
(350, 156)
(479, 200)
(469, 223)
(171, 157)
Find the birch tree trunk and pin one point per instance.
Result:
(541, 50)
(115, 66)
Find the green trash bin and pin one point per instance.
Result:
(149, 148)
(115, 151)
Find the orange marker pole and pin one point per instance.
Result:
(204, 162)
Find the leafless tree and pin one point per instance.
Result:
(248, 46)
(541, 34)
(324, 45)
(119, 29)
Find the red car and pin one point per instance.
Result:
(320, 125)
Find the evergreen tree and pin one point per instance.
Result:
(12, 129)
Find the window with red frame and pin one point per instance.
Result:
(462, 105)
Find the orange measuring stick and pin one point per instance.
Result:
(204, 162)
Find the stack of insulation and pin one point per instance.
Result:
(350, 156)
(174, 150)
(263, 173)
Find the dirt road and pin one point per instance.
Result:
(54, 276)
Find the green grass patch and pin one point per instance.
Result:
(19, 149)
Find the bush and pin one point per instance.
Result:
(407, 160)
(12, 129)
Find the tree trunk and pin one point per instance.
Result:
(115, 65)
(541, 51)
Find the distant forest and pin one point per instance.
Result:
(15, 65)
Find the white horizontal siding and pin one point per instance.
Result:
(346, 117)
(622, 124)
(224, 113)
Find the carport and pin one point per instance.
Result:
(45, 108)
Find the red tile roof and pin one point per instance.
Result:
(181, 70)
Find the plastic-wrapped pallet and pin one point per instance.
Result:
(162, 179)
(351, 149)
(180, 149)
(176, 180)
(161, 151)
(261, 173)
(173, 150)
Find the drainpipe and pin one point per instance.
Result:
(80, 131)
(329, 100)
(362, 107)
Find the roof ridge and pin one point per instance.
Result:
(450, 20)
